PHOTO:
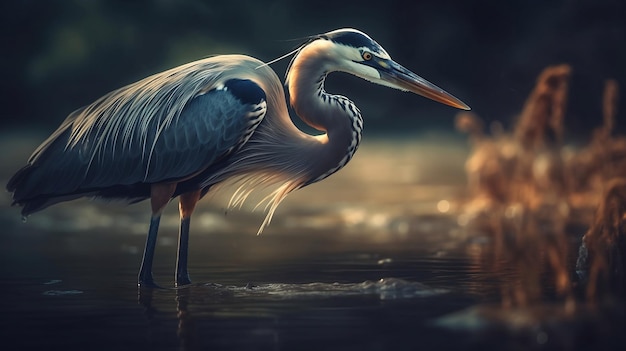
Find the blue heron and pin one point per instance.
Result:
(180, 132)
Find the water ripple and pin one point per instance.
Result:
(385, 289)
(61, 292)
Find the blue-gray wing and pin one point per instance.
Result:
(209, 127)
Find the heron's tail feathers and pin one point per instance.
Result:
(34, 191)
(20, 187)
(18, 178)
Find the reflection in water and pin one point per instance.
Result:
(186, 331)
(145, 296)
(527, 254)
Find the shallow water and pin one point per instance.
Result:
(367, 260)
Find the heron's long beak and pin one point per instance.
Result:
(404, 79)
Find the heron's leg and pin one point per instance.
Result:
(160, 194)
(187, 203)
(145, 272)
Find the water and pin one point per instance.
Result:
(364, 261)
(324, 298)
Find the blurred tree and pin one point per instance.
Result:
(60, 55)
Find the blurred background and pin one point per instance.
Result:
(60, 55)
(364, 260)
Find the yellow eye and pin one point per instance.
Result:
(367, 56)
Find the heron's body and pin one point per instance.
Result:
(179, 132)
(115, 149)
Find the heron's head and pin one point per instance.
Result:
(351, 51)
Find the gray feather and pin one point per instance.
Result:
(165, 127)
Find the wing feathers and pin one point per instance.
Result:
(165, 127)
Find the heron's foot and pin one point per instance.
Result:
(182, 280)
(151, 285)
(148, 283)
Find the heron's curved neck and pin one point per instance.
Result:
(335, 115)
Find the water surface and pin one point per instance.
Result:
(375, 258)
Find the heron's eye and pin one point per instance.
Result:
(367, 56)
